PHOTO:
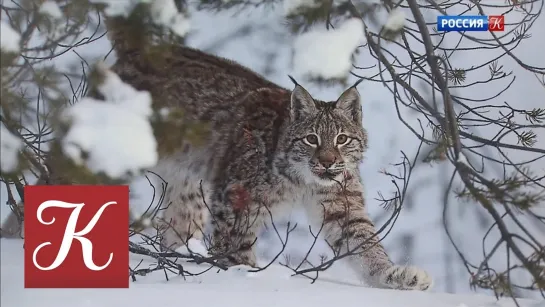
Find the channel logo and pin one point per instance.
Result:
(470, 23)
(76, 236)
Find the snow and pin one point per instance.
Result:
(165, 12)
(295, 6)
(52, 9)
(463, 159)
(9, 38)
(396, 20)
(9, 147)
(193, 247)
(322, 53)
(235, 287)
(164, 112)
(117, 7)
(116, 133)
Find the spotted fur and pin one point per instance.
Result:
(269, 148)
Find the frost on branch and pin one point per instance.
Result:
(9, 146)
(9, 38)
(327, 54)
(113, 136)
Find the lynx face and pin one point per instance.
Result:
(327, 137)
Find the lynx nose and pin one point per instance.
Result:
(327, 159)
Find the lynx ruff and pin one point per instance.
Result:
(267, 149)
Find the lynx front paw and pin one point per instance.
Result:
(406, 278)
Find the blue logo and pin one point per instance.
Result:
(462, 23)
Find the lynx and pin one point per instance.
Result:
(268, 149)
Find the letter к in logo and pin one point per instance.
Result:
(496, 23)
(76, 236)
(70, 234)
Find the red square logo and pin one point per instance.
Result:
(496, 23)
(76, 236)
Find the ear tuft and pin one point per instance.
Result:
(293, 80)
(357, 83)
(350, 104)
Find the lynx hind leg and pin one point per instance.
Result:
(406, 278)
(183, 218)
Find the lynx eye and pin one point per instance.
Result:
(311, 139)
(342, 139)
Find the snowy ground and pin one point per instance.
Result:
(235, 287)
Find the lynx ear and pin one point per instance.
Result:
(349, 102)
(301, 103)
